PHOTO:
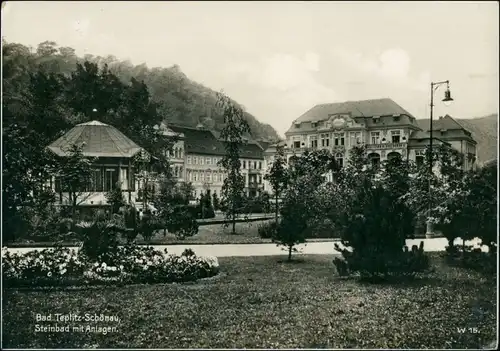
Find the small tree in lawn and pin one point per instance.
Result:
(235, 126)
(74, 173)
(297, 209)
(278, 177)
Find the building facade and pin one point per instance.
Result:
(385, 128)
(203, 150)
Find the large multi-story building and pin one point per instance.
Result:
(384, 127)
(199, 151)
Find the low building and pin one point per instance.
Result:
(113, 166)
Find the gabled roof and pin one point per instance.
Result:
(448, 124)
(99, 139)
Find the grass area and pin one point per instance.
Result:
(260, 302)
(246, 233)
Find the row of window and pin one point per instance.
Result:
(205, 176)
(216, 177)
(195, 160)
(338, 139)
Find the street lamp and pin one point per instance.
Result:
(447, 101)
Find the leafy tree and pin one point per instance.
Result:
(297, 209)
(74, 174)
(232, 134)
(447, 186)
(278, 176)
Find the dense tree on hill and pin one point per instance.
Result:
(178, 99)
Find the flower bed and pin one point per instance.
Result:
(126, 265)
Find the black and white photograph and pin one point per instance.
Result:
(249, 174)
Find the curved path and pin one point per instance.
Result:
(314, 248)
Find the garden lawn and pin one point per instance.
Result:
(246, 233)
(261, 302)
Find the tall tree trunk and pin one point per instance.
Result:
(276, 212)
(234, 223)
(289, 253)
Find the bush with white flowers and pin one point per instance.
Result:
(126, 265)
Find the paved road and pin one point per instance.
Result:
(430, 245)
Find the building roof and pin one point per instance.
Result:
(450, 126)
(362, 108)
(361, 111)
(204, 141)
(421, 138)
(99, 139)
(199, 140)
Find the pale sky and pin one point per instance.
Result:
(279, 59)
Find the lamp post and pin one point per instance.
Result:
(447, 101)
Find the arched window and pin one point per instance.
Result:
(374, 159)
(393, 155)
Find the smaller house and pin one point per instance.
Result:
(113, 166)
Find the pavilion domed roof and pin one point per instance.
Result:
(99, 140)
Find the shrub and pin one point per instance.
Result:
(374, 227)
(129, 264)
(182, 223)
(267, 230)
(99, 237)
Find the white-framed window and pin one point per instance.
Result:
(195, 160)
(313, 141)
(188, 160)
(202, 160)
(375, 137)
(244, 164)
(190, 176)
(195, 176)
(339, 158)
(209, 160)
(296, 142)
(325, 140)
(355, 138)
(338, 139)
(395, 136)
(216, 160)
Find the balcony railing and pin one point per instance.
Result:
(254, 171)
(386, 146)
(255, 185)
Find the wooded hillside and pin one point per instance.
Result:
(178, 99)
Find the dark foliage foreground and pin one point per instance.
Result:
(258, 302)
